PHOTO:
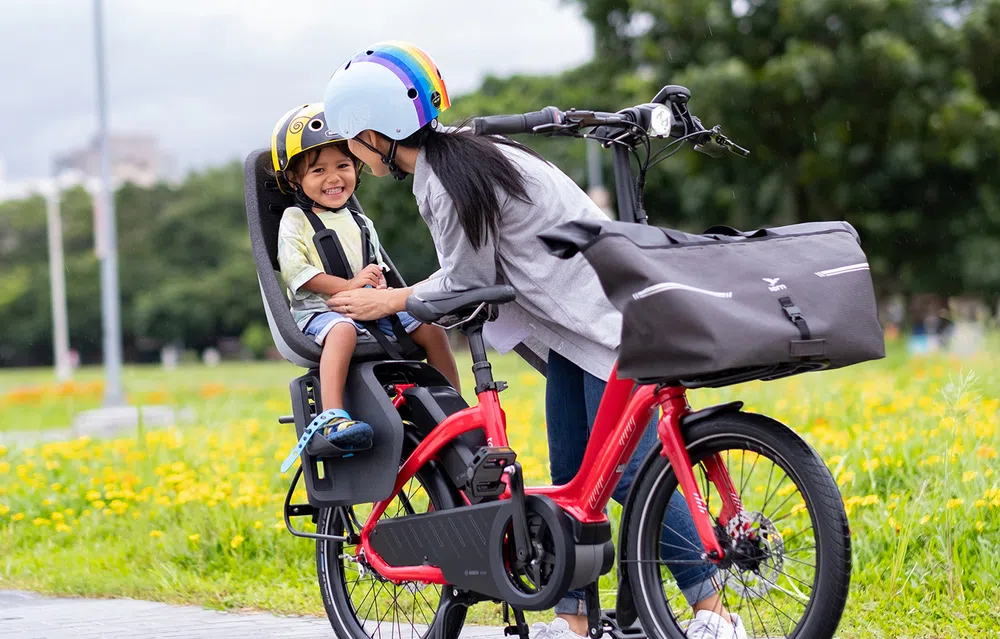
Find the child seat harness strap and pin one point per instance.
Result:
(331, 253)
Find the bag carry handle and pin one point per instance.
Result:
(722, 229)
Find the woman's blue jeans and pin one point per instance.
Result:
(572, 397)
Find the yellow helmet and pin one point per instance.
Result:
(300, 130)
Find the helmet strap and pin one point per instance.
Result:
(303, 201)
(388, 160)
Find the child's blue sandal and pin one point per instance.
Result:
(342, 437)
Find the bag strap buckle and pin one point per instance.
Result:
(795, 314)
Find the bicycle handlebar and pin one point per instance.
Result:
(551, 116)
(520, 123)
(666, 116)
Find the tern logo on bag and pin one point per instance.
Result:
(772, 284)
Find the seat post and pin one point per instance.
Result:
(481, 368)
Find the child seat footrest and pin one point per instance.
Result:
(320, 447)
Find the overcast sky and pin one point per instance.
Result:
(210, 77)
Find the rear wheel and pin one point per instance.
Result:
(362, 605)
(788, 556)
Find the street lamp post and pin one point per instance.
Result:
(110, 310)
(57, 278)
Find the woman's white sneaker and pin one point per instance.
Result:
(559, 629)
(708, 625)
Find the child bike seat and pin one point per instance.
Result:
(265, 205)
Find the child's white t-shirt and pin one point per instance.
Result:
(300, 261)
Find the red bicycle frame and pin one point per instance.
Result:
(625, 410)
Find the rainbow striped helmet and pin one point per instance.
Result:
(392, 88)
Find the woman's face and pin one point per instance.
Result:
(366, 155)
(330, 180)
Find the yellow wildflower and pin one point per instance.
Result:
(194, 537)
(237, 541)
(954, 503)
(17, 516)
(155, 534)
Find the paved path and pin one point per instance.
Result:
(25, 615)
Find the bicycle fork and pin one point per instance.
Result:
(673, 402)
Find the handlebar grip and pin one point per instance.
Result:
(520, 123)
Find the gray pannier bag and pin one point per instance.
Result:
(726, 306)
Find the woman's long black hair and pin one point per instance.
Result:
(475, 173)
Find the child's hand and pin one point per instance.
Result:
(370, 275)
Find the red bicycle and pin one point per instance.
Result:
(460, 527)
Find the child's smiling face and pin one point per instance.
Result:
(328, 178)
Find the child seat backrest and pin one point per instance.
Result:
(265, 205)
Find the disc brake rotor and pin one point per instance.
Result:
(758, 555)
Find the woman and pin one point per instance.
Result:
(485, 199)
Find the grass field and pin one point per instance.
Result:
(192, 514)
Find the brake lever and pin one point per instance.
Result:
(555, 128)
(736, 149)
(715, 145)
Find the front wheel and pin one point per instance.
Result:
(788, 555)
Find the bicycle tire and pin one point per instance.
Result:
(333, 581)
(822, 498)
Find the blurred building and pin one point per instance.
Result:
(135, 158)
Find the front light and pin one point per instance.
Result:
(661, 120)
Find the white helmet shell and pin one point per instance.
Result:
(392, 88)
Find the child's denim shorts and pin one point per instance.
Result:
(320, 324)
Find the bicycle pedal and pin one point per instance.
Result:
(483, 477)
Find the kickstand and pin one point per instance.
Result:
(595, 625)
(521, 626)
(451, 602)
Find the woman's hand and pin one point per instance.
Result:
(370, 275)
(366, 304)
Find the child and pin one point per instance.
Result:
(314, 165)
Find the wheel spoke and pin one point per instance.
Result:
(753, 607)
(794, 535)
(752, 467)
(691, 544)
(799, 561)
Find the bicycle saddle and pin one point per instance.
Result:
(433, 306)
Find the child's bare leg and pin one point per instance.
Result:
(434, 340)
(334, 362)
